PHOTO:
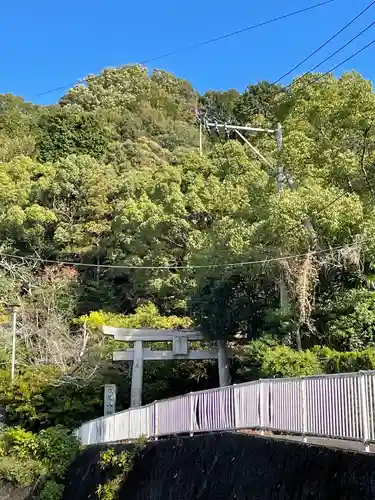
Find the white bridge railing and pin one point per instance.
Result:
(336, 406)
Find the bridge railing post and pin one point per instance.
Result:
(304, 408)
(261, 407)
(156, 421)
(363, 386)
(191, 406)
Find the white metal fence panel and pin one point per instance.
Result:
(140, 422)
(215, 409)
(286, 405)
(334, 407)
(246, 405)
(123, 423)
(194, 424)
(174, 416)
(122, 426)
(94, 431)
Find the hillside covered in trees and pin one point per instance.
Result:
(109, 214)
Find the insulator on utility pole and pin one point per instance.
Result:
(279, 136)
(227, 131)
(217, 129)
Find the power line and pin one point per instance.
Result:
(320, 77)
(204, 266)
(325, 43)
(338, 50)
(342, 62)
(297, 226)
(57, 89)
(209, 41)
(237, 32)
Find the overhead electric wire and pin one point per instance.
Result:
(325, 44)
(336, 52)
(209, 41)
(335, 67)
(290, 95)
(57, 89)
(298, 225)
(187, 267)
(234, 33)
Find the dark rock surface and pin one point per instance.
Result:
(231, 466)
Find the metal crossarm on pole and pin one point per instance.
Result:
(239, 127)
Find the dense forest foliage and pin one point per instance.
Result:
(109, 215)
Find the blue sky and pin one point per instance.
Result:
(46, 44)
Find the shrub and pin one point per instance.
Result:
(345, 362)
(118, 466)
(251, 356)
(20, 472)
(23, 399)
(20, 443)
(51, 490)
(41, 397)
(56, 448)
(282, 361)
(27, 458)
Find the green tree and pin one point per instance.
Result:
(258, 100)
(221, 105)
(65, 131)
(18, 127)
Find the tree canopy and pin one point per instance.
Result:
(109, 183)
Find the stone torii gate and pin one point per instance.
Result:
(180, 350)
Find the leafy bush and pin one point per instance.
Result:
(282, 361)
(51, 490)
(118, 466)
(56, 448)
(23, 398)
(345, 362)
(20, 443)
(266, 358)
(250, 357)
(26, 458)
(145, 316)
(21, 472)
(43, 396)
(347, 321)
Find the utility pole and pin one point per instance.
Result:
(280, 176)
(278, 170)
(200, 139)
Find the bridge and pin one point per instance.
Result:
(337, 410)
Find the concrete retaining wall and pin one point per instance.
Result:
(231, 466)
